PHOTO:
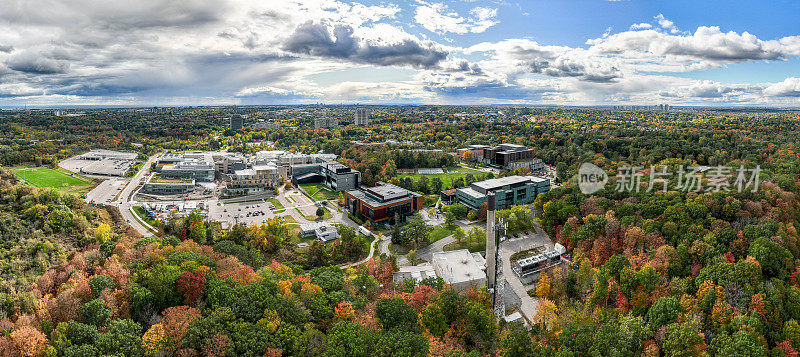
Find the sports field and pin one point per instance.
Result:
(44, 177)
(447, 178)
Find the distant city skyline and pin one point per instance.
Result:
(234, 52)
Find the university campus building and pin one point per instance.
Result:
(511, 157)
(508, 191)
(382, 202)
(333, 174)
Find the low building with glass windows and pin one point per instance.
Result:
(382, 202)
(158, 185)
(508, 191)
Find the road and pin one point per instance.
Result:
(537, 238)
(124, 202)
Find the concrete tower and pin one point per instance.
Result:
(491, 243)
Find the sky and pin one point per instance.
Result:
(535, 52)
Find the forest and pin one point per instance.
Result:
(652, 273)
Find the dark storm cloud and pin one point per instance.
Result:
(31, 62)
(316, 39)
(6, 49)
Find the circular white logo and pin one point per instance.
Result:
(591, 178)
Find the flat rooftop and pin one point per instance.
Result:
(500, 182)
(457, 266)
(470, 192)
(110, 154)
(388, 192)
(382, 195)
(162, 180)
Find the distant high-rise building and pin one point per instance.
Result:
(362, 116)
(325, 123)
(237, 122)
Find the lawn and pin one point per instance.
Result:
(44, 177)
(471, 246)
(439, 233)
(278, 205)
(447, 178)
(319, 191)
(142, 214)
(326, 215)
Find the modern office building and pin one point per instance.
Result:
(333, 174)
(237, 122)
(229, 162)
(259, 178)
(326, 123)
(460, 269)
(508, 191)
(361, 116)
(197, 169)
(472, 152)
(285, 160)
(511, 156)
(158, 185)
(382, 202)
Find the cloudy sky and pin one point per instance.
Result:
(576, 52)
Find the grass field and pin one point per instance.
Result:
(44, 177)
(439, 233)
(319, 191)
(278, 205)
(447, 178)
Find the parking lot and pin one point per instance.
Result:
(247, 213)
(106, 191)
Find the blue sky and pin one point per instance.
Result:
(576, 52)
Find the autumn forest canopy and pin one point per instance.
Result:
(651, 273)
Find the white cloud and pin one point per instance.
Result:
(790, 87)
(641, 26)
(241, 51)
(666, 24)
(706, 43)
(437, 17)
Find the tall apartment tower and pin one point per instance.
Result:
(361, 116)
(491, 243)
(237, 122)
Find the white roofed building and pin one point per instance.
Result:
(460, 269)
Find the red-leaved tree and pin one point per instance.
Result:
(192, 286)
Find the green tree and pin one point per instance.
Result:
(348, 338)
(434, 320)
(664, 311)
(449, 219)
(772, 257)
(94, 313)
(683, 340)
(738, 344)
(395, 314)
(401, 344)
(123, 336)
(417, 231)
(436, 184)
(516, 343)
